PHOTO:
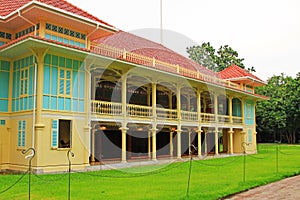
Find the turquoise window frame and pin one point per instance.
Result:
(60, 76)
(54, 133)
(21, 133)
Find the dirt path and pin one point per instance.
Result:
(288, 188)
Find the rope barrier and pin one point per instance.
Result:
(256, 157)
(284, 153)
(135, 175)
(51, 180)
(11, 186)
(201, 162)
(159, 170)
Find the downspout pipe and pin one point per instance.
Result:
(27, 20)
(34, 86)
(34, 103)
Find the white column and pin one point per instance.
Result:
(124, 131)
(216, 126)
(179, 143)
(154, 143)
(154, 121)
(124, 96)
(243, 110)
(199, 106)
(230, 141)
(171, 144)
(154, 100)
(199, 131)
(230, 109)
(178, 100)
(216, 107)
(216, 142)
(149, 144)
(93, 145)
(205, 142)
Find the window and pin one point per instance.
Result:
(2, 122)
(24, 82)
(65, 82)
(21, 133)
(248, 114)
(249, 136)
(61, 133)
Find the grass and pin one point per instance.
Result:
(210, 179)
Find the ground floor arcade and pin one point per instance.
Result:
(110, 143)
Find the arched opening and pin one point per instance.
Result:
(236, 107)
(223, 105)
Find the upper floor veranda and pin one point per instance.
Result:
(39, 20)
(69, 60)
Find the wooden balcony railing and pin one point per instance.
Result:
(207, 118)
(140, 111)
(223, 119)
(112, 108)
(122, 54)
(189, 116)
(163, 113)
(237, 120)
(107, 108)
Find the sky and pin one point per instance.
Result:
(266, 33)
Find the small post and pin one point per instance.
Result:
(192, 150)
(30, 156)
(69, 188)
(244, 171)
(277, 156)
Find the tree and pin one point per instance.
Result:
(227, 57)
(207, 56)
(281, 114)
(204, 55)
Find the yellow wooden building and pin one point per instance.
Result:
(71, 81)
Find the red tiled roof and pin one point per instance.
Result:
(142, 46)
(88, 51)
(235, 71)
(9, 6)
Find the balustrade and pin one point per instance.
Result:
(166, 113)
(122, 54)
(189, 116)
(223, 119)
(207, 118)
(237, 120)
(140, 111)
(108, 108)
(113, 108)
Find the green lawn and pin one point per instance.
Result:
(210, 179)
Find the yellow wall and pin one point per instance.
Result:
(238, 139)
(4, 146)
(56, 159)
(46, 159)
